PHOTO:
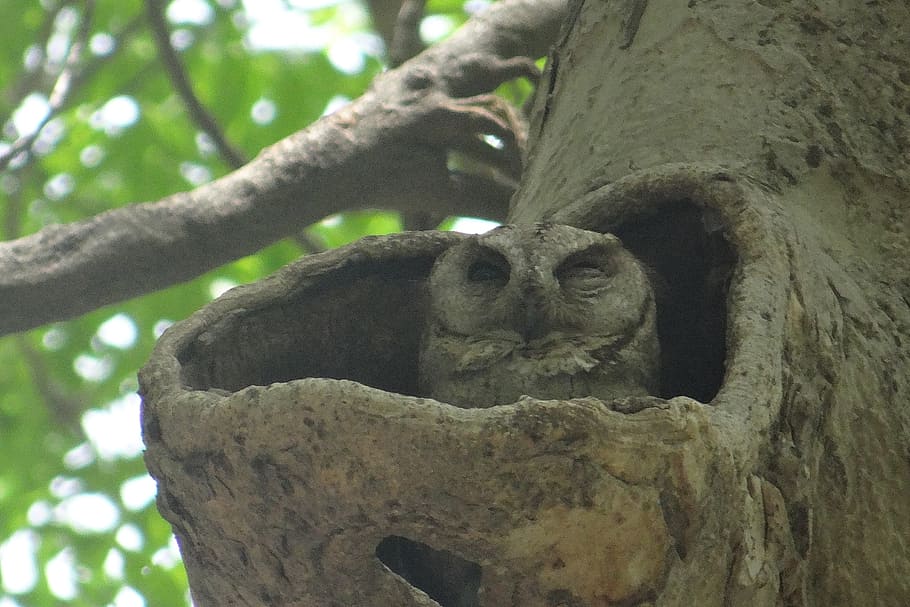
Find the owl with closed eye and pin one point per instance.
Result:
(548, 311)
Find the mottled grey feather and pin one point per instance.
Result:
(548, 311)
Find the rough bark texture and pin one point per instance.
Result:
(755, 155)
(806, 102)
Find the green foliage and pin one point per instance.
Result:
(75, 509)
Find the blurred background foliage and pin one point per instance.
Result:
(78, 524)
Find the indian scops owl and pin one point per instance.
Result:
(548, 311)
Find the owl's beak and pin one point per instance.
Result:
(532, 316)
(534, 327)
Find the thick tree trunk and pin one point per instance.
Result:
(802, 108)
(755, 155)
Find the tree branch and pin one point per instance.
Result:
(181, 82)
(384, 15)
(381, 151)
(406, 42)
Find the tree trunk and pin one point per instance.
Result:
(755, 156)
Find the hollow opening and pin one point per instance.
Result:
(445, 577)
(364, 321)
(692, 263)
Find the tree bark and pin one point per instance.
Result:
(387, 149)
(730, 146)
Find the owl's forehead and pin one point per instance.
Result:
(548, 237)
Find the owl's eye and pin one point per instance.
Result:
(488, 272)
(584, 275)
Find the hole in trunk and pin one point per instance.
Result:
(693, 264)
(446, 578)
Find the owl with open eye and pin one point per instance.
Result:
(548, 311)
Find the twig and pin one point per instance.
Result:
(175, 71)
(406, 42)
(30, 80)
(61, 89)
(383, 14)
(89, 68)
(64, 407)
(310, 243)
(79, 76)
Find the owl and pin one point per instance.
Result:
(548, 311)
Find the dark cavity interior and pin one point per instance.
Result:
(446, 578)
(361, 323)
(691, 264)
